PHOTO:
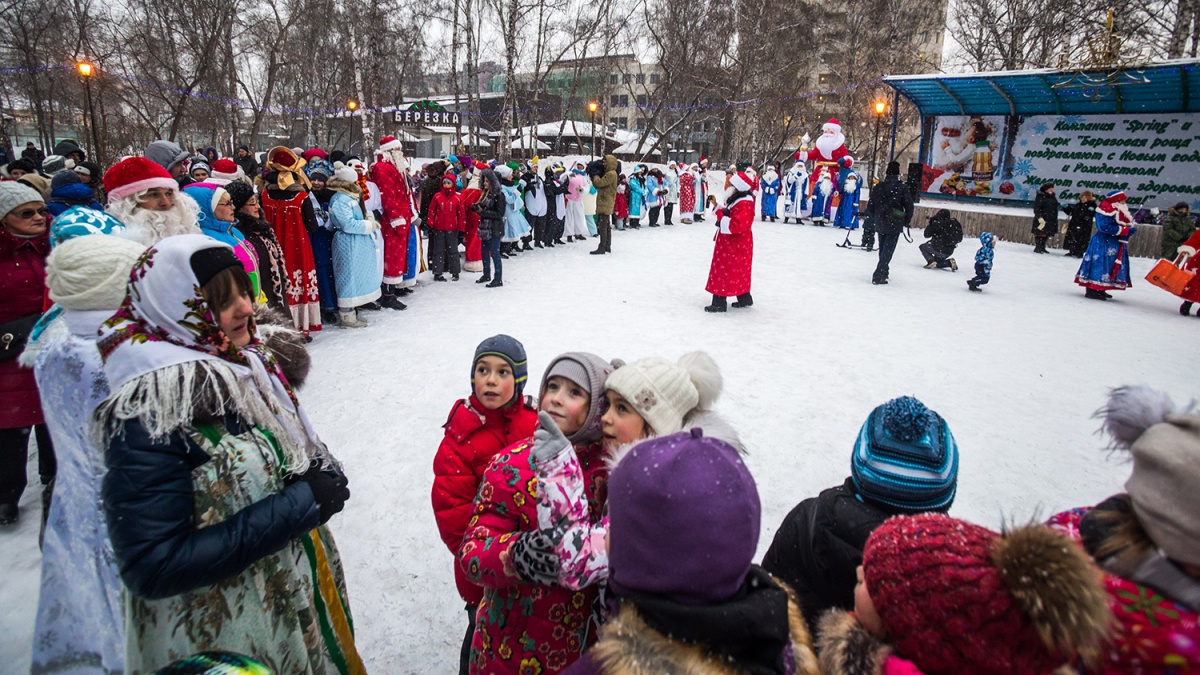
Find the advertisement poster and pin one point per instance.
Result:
(1155, 158)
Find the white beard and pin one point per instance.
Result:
(150, 227)
(1123, 215)
(851, 185)
(828, 143)
(826, 186)
(770, 175)
(397, 159)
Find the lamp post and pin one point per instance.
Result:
(592, 108)
(352, 105)
(880, 108)
(86, 71)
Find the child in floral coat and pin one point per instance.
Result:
(494, 417)
(525, 624)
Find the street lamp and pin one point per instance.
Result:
(86, 72)
(352, 105)
(592, 108)
(880, 108)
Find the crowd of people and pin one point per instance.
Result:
(155, 349)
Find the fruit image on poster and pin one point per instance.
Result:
(1154, 158)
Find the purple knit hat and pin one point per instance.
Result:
(684, 520)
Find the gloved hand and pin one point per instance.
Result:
(534, 559)
(329, 487)
(1041, 223)
(1132, 231)
(548, 441)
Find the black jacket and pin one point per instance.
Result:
(150, 508)
(1045, 207)
(491, 215)
(944, 232)
(1079, 228)
(819, 546)
(885, 197)
(249, 165)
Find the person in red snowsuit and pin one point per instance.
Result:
(733, 254)
(388, 173)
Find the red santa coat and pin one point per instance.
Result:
(471, 236)
(1191, 292)
(687, 192)
(733, 254)
(474, 435)
(397, 214)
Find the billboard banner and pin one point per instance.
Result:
(1155, 158)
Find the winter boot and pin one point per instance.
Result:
(495, 283)
(350, 319)
(439, 277)
(718, 304)
(9, 514)
(599, 251)
(392, 302)
(483, 279)
(329, 316)
(974, 286)
(931, 264)
(743, 300)
(1185, 308)
(454, 277)
(953, 265)
(1093, 294)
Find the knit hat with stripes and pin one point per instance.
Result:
(906, 458)
(509, 349)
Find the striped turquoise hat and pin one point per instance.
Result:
(906, 457)
(510, 349)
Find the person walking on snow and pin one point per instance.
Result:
(1105, 265)
(733, 254)
(983, 261)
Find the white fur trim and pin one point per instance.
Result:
(739, 182)
(1131, 410)
(393, 144)
(139, 185)
(1186, 250)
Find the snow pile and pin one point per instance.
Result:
(1016, 372)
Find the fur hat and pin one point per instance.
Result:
(905, 457)
(345, 173)
(955, 597)
(239, 193)
(134, 174)
(14, 194)
(511, 350)
(1165, 445)
(91, 272)
(684, 519)
(666, 393)
(590, 372)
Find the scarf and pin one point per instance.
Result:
(167, 361)
(290, 173)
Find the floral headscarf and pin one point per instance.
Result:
(164, 337)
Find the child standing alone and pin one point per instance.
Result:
(983, 262)
(494, 417)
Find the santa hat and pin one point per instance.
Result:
(832, 125)
(1109, 205)
(224, 171)
(345, 173)
(390, 143)
(132, 175)
(741, 182)
(480, 164)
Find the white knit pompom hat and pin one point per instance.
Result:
(91, 272)
(666, 393)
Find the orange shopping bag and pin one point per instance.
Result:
(1168, 277)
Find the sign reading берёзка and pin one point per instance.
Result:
(424, 113)
(1154, 158)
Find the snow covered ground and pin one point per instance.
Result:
(1016, 371)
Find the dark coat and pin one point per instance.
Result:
(248, 164)
(606, 186)
(944, 232)
(491, 209)
(890, 194)
(819, 546)
(23, 280)
(1176, 228)
(150, 507)
(1079, 228)
(430, 185)
(1045, 207)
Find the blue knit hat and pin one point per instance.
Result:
(79, 221)
(906, 458)
(512, 351)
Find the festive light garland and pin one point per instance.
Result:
(381, 109)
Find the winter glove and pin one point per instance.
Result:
(534, 558)
(548, 441)
(329, 488)
(1041, 223)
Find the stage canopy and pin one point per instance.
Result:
(1172, 86)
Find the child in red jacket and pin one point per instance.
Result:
(447, 217)
(493, 418)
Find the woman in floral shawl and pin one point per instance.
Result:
(218, 488)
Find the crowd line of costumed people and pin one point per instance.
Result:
(610, 528)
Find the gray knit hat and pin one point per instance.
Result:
(590, 372)
(1165, 445)
(14, 194)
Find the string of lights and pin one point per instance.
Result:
(286, 110)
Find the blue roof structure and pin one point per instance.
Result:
(1171, 86)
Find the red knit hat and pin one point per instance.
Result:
(225, 170)
(955, 597)
(314, 152)
(134, 174)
